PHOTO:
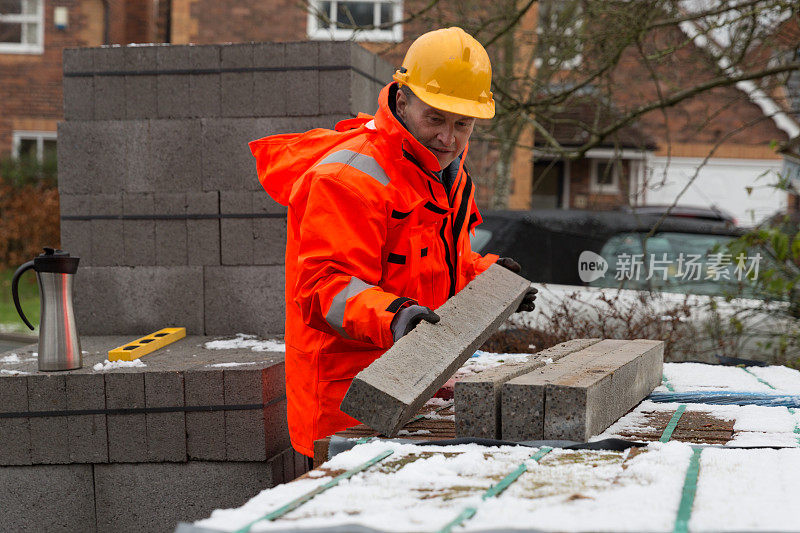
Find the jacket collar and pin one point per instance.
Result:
(398, 138)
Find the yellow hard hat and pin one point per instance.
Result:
(449, 70)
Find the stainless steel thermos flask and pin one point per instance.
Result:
(59, 346)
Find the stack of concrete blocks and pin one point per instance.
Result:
(139, 449)
(159, 193)
(572, 391)
(391, 390)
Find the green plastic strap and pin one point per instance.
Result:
(673, 423)
(758, 378)
(494, 490)
(441, 408)
(666, 383)
(689, 490)
(796, 425)
(297, 502)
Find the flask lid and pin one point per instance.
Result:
(54, 260)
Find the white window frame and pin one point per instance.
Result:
(605, 188)
(38, 136)
(26, 48)
(395, 34)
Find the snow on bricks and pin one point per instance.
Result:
(386, 394)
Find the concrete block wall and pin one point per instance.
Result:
(159, 193)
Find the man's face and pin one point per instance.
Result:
(443, 133)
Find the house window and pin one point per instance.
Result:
(605, 176)
(21, 27)
(39, 145)
(360, 20)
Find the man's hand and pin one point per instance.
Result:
(527, 303)
(407, 319)
(510, 264)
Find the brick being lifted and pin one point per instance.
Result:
(390, 391)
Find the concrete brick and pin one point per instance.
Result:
(584, 404)
(347, 53)
(15, 440)
(228, 164)
(167, 493)
(279, 475)
(244, 299)
(139, 59)
(203, 235)
(302, 54)
(88, 434)
(571, 398)
(205, 430)
(48, 498)
(477, 398)
(139, 236)
(166, 432)
(173, 100)
(171, 234)
(137, 301)
(176, 163)
(244, 429)
(89, 156)
(237, 87)
(390, 391)
(74, 204)
(79, 98)
(76, 238)
(269, 241)
(138, 170)
(107, 241)
(303, 93)
(338, 98)
(109, 59)
(141, 97)
(300, 463)
(384, 70)
(77, 60)
(109, 97)
(127, 433)
(205, 95)
(49, 434)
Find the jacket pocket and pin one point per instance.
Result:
(345, 365)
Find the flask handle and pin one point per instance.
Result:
(15, 292)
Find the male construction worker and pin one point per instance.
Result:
(380, 212)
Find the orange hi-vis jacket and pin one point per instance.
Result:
(371, 229)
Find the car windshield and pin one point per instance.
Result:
(679, 262)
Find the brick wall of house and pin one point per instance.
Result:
(582, 197)
(31, 90)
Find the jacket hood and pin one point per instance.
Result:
(282, 159)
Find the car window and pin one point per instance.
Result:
(677, 262)
(479, 239)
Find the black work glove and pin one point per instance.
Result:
(407, 319)
(510, 264)
(527, 303)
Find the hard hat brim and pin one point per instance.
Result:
(454, 104)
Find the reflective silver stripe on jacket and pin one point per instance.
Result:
(335, 316)
(364, 163)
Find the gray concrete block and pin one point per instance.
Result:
(477, 398)
(15, 435)
(237, 87)
(173, 100)
(141, 97)
(269, 241)
(384, 70)
(244, 429)
(172, 57)
(269, 55)
(168, 493)
(205, 57)
(109, 97)
(363, 95)
(203, 242)
(302, 54)
(140, 58)
(390, 391)
(244, 299)
(78, 98)
(523, 397)
(583, 404)
(75, 204)
(205, 430)
(109, 59)
(276, 430)
(48, 498)
(49, 434)
(166, 432)
(303, 93)
(202, 203)
(228, 164)
(139, 236)
(138, 170)
(88, 435)
(237, 238)
(263, 203)
(278, 469)
(76, 238)
(127, 433)
(205, 95)
(270, 93)
(300, 463)
(338, 96)
(137, 301)
(175, 155)
(347, 53)
(77, 60)
(107, 241)
(89, 156)
(171, 234)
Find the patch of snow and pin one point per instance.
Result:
(246, 341)
(406, 432)
(783, 378)
(112, 365)
(685, 377)
(11, 358)
(13, 372)
(755, 438)
(224, 365)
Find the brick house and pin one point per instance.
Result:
(655, 158)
